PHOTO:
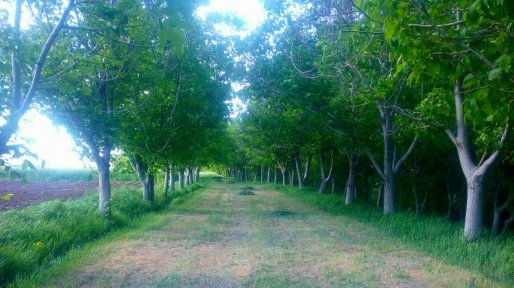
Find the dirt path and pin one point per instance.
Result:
(223, 239)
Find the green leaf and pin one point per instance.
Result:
(495, 73)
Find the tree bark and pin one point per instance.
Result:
(474, 173)
(283, 170)
(324, 179)
(291, 177)
(172, 181)
(275, 175)
(307, 169)
(298, 172)
(508, 223)
(104, 189)
(262, 173)
(166, 181)
(353, 159)
(269, 171)
(197, 173)
(181, 180)
(149, 188)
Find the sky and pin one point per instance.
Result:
(55, 146)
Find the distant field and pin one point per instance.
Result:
(38, 191)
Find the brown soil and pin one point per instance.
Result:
(38, 191)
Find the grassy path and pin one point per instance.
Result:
(222, 239)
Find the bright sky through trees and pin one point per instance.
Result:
(55, 145)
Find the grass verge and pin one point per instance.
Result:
(35, 236)
(491, 256)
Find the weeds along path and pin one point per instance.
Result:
(223, 239)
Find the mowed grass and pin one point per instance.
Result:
(491, 256)
(219, 238)
(37, 235)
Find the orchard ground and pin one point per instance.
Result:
(220, 237)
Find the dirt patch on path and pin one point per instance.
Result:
(268, 240)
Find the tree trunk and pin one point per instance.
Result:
(262, 173)
(389, 196)
(291, 177)
(496, 222)
(298, 172)
(353, 159)
(283, 170)
(474, 208)
(390, 166)
(149, 188)
(325, 179)
(181, 180)
(508, 223)
(166, 181)
(104, 190)
(172, 181)
(275, 176)
(145, 177)
(474, 173)
(189, 176)
(269, 171)
(307, 169)
(197, 173)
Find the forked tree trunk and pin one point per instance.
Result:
(508, 223)
(102, 161)
(283, 170)
(181, 180)
(498, 212)
(474, 173)
(350, 190)
(146, 178)
(324, 179)
(390, 167)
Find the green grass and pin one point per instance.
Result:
(38, 234)
(433, 235)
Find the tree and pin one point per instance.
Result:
(16, 103)
(466, 45)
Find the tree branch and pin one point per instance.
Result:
(492, 158)
(406, 155)
(436, 26)
(375, 164)
(42, 57)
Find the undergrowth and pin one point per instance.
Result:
(35, 235)
(491, 256)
